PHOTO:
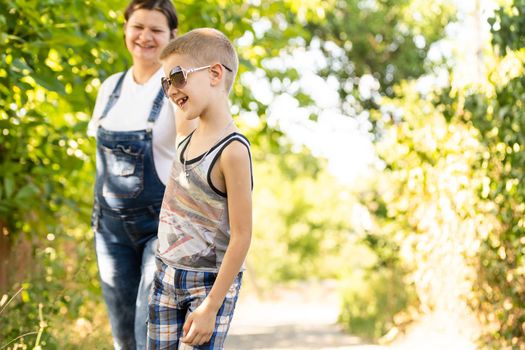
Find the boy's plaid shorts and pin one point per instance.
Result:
(174, 295)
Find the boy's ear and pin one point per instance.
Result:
(173, 34)
(216, 73)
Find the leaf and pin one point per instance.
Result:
(9, 185)
(26, 192)
(49, 83)
(67, 40)
(19, 66)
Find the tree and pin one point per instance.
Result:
(54, 54)
(452, 197)
(498, 115)
(383, 43)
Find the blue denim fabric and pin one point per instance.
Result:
(126, 271)
(128, 197)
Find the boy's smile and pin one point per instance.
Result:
(181, 101)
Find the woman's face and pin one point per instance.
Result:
(146, 33)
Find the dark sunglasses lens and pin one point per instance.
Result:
(177, 78)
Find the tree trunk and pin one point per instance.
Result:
(16, 259)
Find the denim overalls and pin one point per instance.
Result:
(128, 197)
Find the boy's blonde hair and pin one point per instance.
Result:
(206, 46)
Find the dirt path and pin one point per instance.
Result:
(301, 317)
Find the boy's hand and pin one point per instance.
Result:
(199, 325)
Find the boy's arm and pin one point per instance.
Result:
(235, 166)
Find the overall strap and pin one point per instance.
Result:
(155, 110)
(114, 95)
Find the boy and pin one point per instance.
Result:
(206, 216)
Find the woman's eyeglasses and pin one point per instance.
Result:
(179, 77)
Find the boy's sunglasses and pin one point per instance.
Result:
(179, 77)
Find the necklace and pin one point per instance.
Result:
(184, 165)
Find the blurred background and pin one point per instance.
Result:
(388, 141)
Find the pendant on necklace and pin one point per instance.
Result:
(187, 174)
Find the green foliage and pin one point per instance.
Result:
(50, 67)
(452, 201)
(387, 43)
(379, 296)
(428, 217)
(53, 56)
(302, 221)
(59, 307)
(387, 39)
(502, 257)
(508, 27)
(499, 293)
(376, 302)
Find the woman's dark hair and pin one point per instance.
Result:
(164, 6)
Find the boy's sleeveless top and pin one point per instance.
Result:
(194, 229)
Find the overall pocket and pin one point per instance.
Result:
(140, 227)
(124, 172)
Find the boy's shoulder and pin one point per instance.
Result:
(230, 144)
(236, 151)
(236, 160)
(237, 135)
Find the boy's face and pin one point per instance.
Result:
(186, 84)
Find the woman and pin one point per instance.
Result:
(135, 129)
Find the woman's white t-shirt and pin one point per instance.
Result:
(131, 112)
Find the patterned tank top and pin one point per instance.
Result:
(194, 229)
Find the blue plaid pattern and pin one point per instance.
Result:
(175, 294)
